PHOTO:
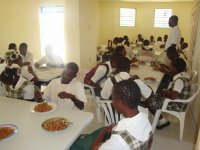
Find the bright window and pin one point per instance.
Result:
(162, 17)
(127, 17)
(52, 29)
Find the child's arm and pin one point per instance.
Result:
(100, 138)
(171, 94)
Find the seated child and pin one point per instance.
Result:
(67, 91)
(180, 88)
(135, 126)
(15, 86)
(50, 59)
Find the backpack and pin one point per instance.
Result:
(91, 73)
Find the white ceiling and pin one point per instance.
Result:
(149, 0)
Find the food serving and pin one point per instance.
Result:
(55, 124)
(141, 62)
(43, 107)
(150, 79)
(5, 132)
(135, 65)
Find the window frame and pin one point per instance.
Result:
(121, 24)
(165, 21)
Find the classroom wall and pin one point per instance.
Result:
(20, 23)
(109, 19)
(88, 32)
(72, 31)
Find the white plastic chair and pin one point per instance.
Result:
(193, 76)
(180, 115)
(111, 115)
(96, 100)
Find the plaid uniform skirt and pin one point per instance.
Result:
(157, 101)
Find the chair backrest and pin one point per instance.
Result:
(193, 76)
(111, 115)
(195, 88)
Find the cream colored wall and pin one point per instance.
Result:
(72, 31)
(20, 23)
(88, 32)
(109, 19)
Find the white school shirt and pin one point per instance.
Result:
(75, 87)
(29, 90)
(25, 73)
(129, 52)
(106, 92)
(28, 58)
(100, 72)
(179, 84)
(138, 126)
(174, 37)
(55, 60)
(156, 46)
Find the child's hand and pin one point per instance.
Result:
(109, 128)
(63, 95)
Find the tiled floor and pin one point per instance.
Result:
(165, 139)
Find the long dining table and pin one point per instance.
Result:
(30, 134)
(47, 74)
(146, 70)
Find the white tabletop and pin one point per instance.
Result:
(47, 75)
(147, 71)
(30, 135)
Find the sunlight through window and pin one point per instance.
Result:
(52, 29)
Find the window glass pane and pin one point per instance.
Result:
(162, 17)
(127, 17)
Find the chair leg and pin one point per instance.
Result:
(98, 110)
(155, 120)
(182, 122)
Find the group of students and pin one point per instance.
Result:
(111, 80)
(18, 78)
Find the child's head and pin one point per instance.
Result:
(120, 50)
(159, 38)
(146, 42)
(115, 60)
(172, 53)
(69, 72)
(151, 37)
(178, 65)
(126, 37)
(165, 37)
(124, 65)
(126, 94)
(12, 46)
(9, 76)
(115, 40)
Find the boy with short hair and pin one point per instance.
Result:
(66, 91)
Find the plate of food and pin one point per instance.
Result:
(43, 68)
(141, 62)
(44, 107)
(56, 124)
(150, 79)
(7, 130)
(135, 65)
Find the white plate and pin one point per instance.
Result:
(151, 81)
(64, 124)
(43, 68)
(14, 127)
(53, 105)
